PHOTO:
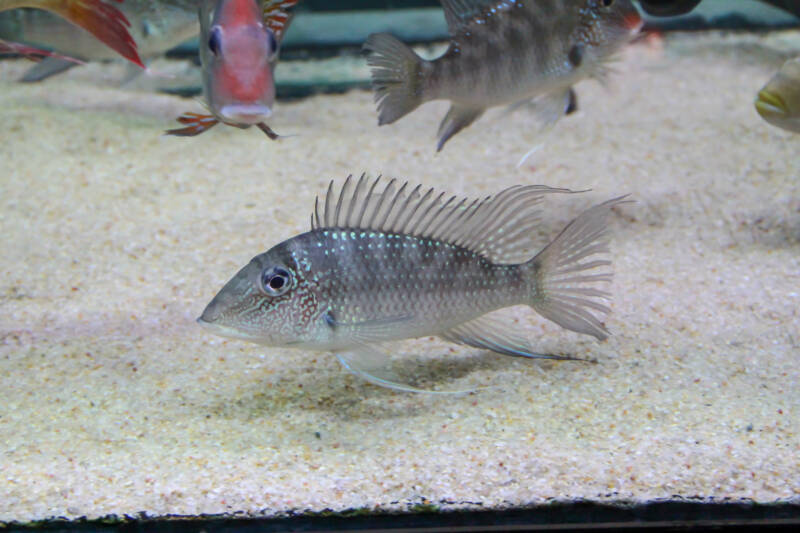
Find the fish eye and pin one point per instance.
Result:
(272, 43)
(275, 281)
(607, 3)
(215, 40)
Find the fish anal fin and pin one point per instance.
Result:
(457, 118)
(196, 124)
(489, 333)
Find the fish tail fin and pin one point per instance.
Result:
(397, 76)
(101, 19)
(562, 289)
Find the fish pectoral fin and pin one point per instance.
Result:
(374, 365)
(369, 331)
(489, 333)
(457, 118)
(195, 124)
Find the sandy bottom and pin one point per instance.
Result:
(113, 401)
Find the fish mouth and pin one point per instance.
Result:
(245, 113)
(225, 331)
(770, 104)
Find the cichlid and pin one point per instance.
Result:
(155, 25)
(98, 17)
(239, 42)
(779, 101)
(394, 265)
(518, 52)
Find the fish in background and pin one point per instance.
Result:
(779, 101)
(399, 264)
(98, 17)
(155, 25)
(668, 8)
(33, 53)
(239, 43)
(524, 53)
(672, 8)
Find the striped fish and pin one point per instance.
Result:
(522, 53)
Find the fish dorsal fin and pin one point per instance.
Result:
(498, 227)
(458, 13)
(277, 16)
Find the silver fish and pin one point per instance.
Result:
(778, 102)
(394, 265)
(156, 26)
(520, 52)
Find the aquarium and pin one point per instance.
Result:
(197, 327)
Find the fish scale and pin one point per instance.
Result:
(401, 268)
(390, 265)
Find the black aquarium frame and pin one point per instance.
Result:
(665, 515)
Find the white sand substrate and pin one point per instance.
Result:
(114, 237)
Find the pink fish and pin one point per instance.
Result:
(98, 17)
(238, 47)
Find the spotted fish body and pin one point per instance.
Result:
(421, 286)
(393, 265)
(502, 52)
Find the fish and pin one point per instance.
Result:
(668, 8)
(389, 263)
(778, 102)
(672, 8)
(522, 53)
(239, 43)
(155, 25)
(98, 17)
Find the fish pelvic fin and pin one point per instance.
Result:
(268, 131)
(456, 119)
(195, 124)
(397, 76)
(563, 277)
(375, 366)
